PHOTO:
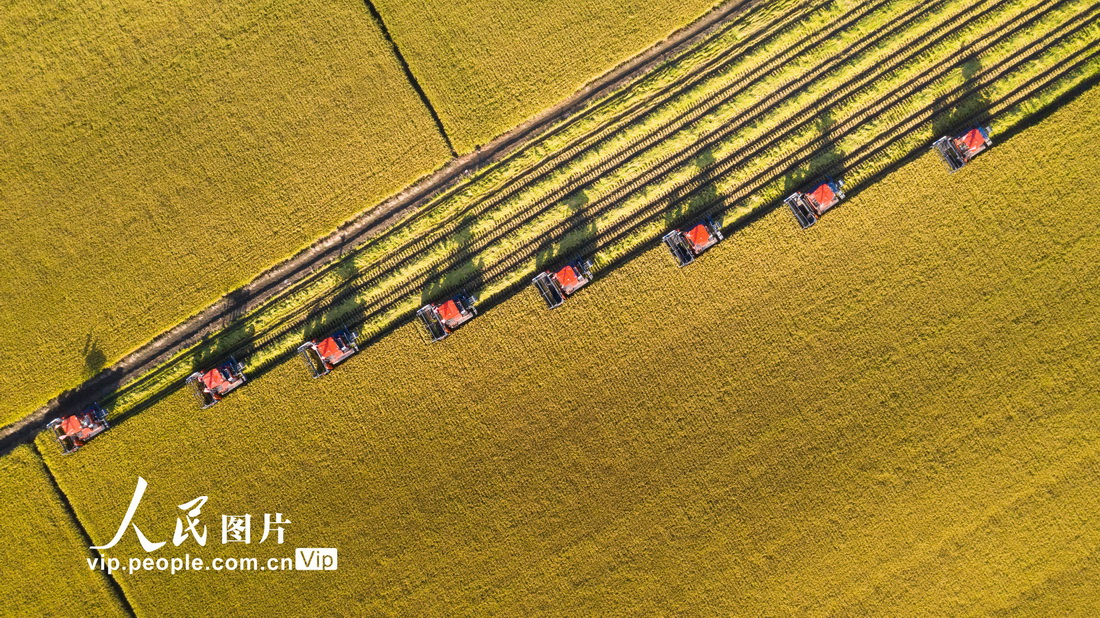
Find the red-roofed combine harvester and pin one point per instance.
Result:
(73, 432)
(809, 206)
(322, 356)
(441, 319)
(211, 386)
(958, 151)
(555, 287)
(686, 245)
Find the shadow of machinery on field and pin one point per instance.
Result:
(577, 234)
(687, 202)
(952, 113)
(827, 157)
(94, 358)
(463, 275)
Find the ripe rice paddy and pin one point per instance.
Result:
(894, 412)
(44, 573)
(157, 157)
(727, 130)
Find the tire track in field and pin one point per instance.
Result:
(619, 230)
(524, 252)
(521, 217)
(873, 146)
(648, 104)
(420, 246)
(579, 147)
(671, 163)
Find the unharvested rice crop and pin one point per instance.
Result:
(158, 155)
(893, 413)
(487, 65)
(758, 110)
(43, 572)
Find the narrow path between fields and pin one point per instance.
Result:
(409, 75)
(112, 583)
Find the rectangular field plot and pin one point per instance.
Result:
(45, 572)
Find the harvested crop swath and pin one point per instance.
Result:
(488, 65)
(45, 573)
(153, 161)
(727, 130)
(893, 414)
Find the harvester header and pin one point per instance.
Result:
(556, 286)
(957, 151)
(808, 206)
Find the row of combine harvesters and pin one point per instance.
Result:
(441, 319)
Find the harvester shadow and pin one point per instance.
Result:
(953, 112)
(579, 234)
(94, 358)
(706, 193)
(462, 275)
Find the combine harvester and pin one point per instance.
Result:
(73, 432)
(808, 207)
(442, 319)
(958, 151)
(321, 357)
(555, 287)
(211, 386)
(686, 245)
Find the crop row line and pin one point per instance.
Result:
(718, 168)
(520, 218)
(670, 198)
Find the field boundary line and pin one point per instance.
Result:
(67, 506)
(377, 17)
(368, 224)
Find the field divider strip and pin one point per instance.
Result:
(66, 505)
(407, 70)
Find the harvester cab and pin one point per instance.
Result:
(322, 356)
(211, 386)
(809, 206)
(958, 151)
(73, 432)
(441, 319)
(686, 245)
(555, 287)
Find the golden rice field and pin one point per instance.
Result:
(43, 553)
(488, 65)
(893, 413)
(636, 177)
(157, 156)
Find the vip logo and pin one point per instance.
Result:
(315, 559)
